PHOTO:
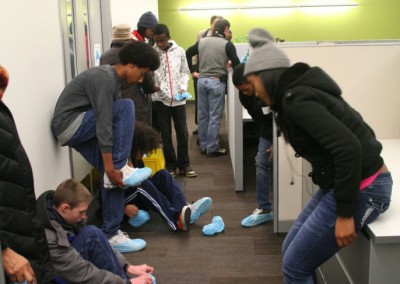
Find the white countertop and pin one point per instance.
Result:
(386, 229)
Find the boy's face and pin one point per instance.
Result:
(148, 33)
(135, 74)
(162, 41)
(247, 89)
(75, 215)
(260, 91)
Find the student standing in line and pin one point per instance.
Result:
(262, 116)
(80, 253)
(172, 77)
(355, 185)
(24, 251)
(91, 118)
(213, 52)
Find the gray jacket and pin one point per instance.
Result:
(67, 262)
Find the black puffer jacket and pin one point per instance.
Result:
(327, 132)
(19, 227)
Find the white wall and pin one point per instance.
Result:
(129, 11)
(31, 50)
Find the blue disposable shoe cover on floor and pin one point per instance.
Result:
(139, 175)
(217, 226)
(139, 219)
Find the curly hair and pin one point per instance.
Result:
(4, 77)
(145, 140)
(140, 54)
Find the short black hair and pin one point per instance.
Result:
(140, 54)
(212, 19)
(161, 29)
(220, 26)
(238, 75)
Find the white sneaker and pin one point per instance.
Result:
(130, 176)
(123, 243)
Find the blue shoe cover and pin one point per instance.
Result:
(130, 246)
(217, 226)
(181, 97)
(139, 175)
(153, 279)
(139, 219)
(199, 208)
(256, 219)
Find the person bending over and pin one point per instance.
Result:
(80, 253)
(91, 118)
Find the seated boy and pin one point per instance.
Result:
(79, 253)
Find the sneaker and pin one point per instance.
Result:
(258, 217)
(219, 152)
(131, 176)
(135, 176)
(184, 218)
(187, 171)
(122, 243)
(172, 172)
(199, 208)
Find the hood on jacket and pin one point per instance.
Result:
(301, 74)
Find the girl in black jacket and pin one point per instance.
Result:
(355, 185)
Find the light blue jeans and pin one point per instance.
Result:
(210, 108)
(311, 240)
(263, 174)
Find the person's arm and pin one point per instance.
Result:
(17, 268)
(71, 267)
(184, 73)
(190, 52)
(113, 174)
(230, 50)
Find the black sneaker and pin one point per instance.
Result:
(184, 218)
(219, 152)
(187, 171)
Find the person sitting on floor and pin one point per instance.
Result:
(160, 193)
(79, 253)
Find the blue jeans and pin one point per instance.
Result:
(161, 194)
(210, 109)
(263, 174)
(85, 142)
(93, 246)
(311, 240)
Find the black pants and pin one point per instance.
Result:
(165, 115)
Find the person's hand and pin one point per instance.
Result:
(195, 75)
(17, 268)
(345, 231)
(142, 279)
(115, 177)
(139, 269)
(131, 210)
(270, 150)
